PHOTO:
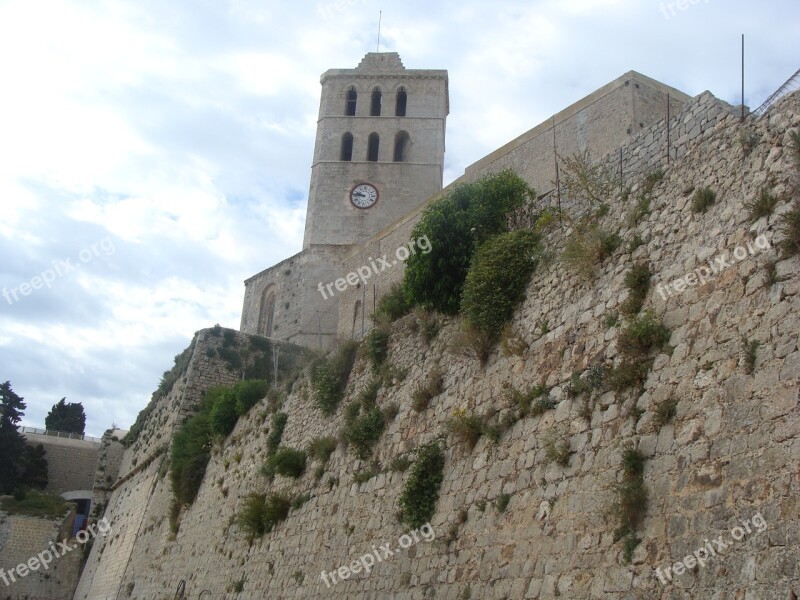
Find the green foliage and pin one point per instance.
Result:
(556, 446)
(425, 392)
(248, 393)
(261, 513)
(287, 462)
(392, 305)
(651, 180)
(399, 464)
(637, 280)
(277, 426)
(592, 184)
(702, 200)
(190, 455)
(642, 335)
(12, 444)
(364, 475)
(762, 206)
(428, 322)
(635, 243)
(502, 502)
(36, 504)
(364, 431)
(329, 377)
(473, 342)
(223, 415)
(632, 462)
(665, 411)
(631, 499)
(588, 246)
(789, 228)
(497, 279)
(467, 427)
(747, 140)
(536, 401)
(35, 469)
(421, 492)
(750, 349)
(68, 418)
(376, 345)
(321, 448)
(455, 226)
(640, 211)
(629, 373)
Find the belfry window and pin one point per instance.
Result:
(372, 147)
(375, 106)
(402, 102)
(352, 99)
(402, 142)
(347, 147)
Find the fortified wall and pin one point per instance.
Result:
(511, 521)
(599, 124)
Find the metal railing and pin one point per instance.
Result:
(791, 84)
(59, 434)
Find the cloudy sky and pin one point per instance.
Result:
(155, 154)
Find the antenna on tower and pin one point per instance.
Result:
(380, 18)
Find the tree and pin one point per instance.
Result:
(12, 444)
(455, 226)
(68, 418)
(35, 467)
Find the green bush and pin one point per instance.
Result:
(191, 450)
(421, 493)
(588, 246)
(261, 513)
(642, 335)
(702, 200)
(789, 227)
(392, 305)
(651, 180)
(455, 226)
(223, 416)
(497, 279)
(433, 386)
(629, 373)
(287, 462)
(329, 376)
(277, 509)
(762, 206)
(665, 411)
(36, 504)
(321, 448)
(248, 393)
(376, 345)
(278, 424)
(640, 211)
(467, 427)
(637, 280)
(364, 431)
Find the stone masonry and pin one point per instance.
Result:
(729, 454)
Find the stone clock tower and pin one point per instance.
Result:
(378, 156)
(379, 151)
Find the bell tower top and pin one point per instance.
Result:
(379, 151)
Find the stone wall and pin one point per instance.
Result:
(25, 538)
(71, 464)
(531, 156)
(141, 492)
(727, 456)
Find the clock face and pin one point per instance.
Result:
(364, 195)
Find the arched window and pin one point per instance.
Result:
(372, 147)
(347, 147)
(402, 143)
(352, 99)
(266, 312)
(402, 102)
(375, 106)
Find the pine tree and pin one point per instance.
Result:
(12, 444)
(66, 417)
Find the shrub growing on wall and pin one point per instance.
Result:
(497, 278)
(418, 500)
(248, 393)
(223, 416)
(329, 377)
(455, 226)
(190, 455)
